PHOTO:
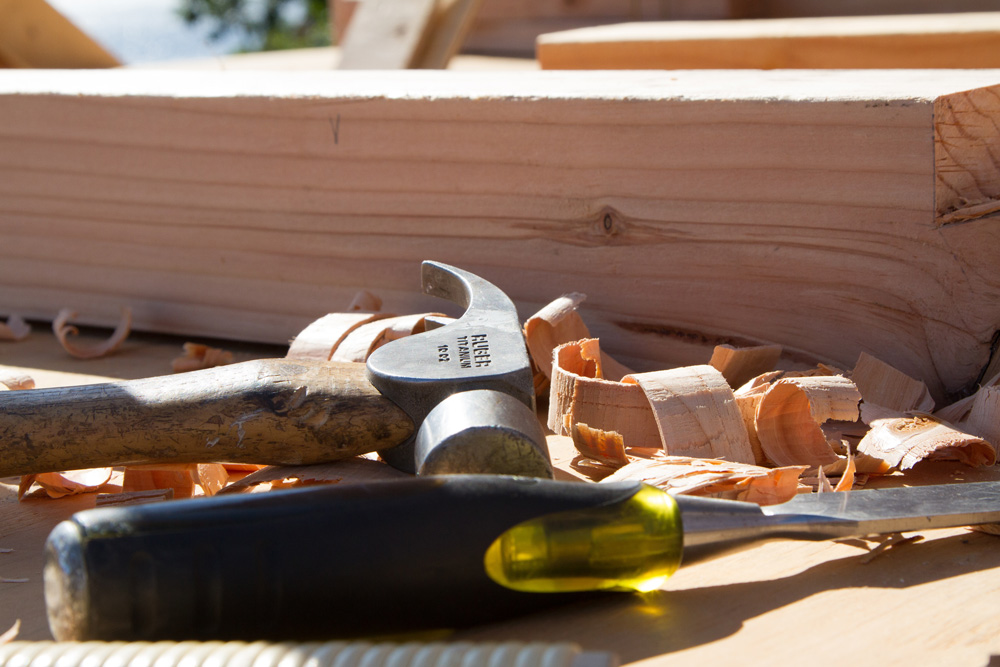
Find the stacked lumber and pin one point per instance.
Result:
(831, 213)
(918, 41)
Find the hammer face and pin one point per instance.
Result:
(483, 349)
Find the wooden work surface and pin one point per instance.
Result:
(934, 601)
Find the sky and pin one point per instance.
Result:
(140, 31)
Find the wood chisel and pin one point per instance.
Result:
(423, 553)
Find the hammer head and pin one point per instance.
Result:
(484, 349)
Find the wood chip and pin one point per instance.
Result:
(719, 479)
(197, 357)
(881, 384)
(64, 331)
(14, 329)
(15, 381)
(904, 440)
(790, 415)
(696, 413)
(68, 483)
(739, 365)
(11, 634)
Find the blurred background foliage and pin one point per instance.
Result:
(265, 25)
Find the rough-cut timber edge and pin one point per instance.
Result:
(815, 210)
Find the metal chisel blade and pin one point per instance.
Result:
(713, 527)
(900, 509)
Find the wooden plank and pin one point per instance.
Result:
(883, 42)
(33, 34)
(387, 34)
(829, 212)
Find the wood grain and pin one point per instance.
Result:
(877, 42)
(815, 210)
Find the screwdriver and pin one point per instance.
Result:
(387, 557)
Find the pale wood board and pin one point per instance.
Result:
(882, 42)
(387, 34)
(829, 212)
(33, 34)
(934, 602)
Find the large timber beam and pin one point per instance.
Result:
(830, 212)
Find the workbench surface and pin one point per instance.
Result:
(932, 601)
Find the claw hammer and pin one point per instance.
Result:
(458, 398)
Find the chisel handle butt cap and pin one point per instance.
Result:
(65, 582)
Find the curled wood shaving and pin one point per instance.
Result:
(11, 634)
(197, 357)
(366, 301)
(64, 331)
(790, 415)
(578, 394)
(69, 483)
(881, 384)
(361, 341)
(959, 410)
(696, 413)
(606, 447)
(715, 478)
(984, 416)
(556, 324)
(320, 338)
(905, 440)
(740, 365)
(15, 329)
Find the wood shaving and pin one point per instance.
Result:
(365, 301)
(791, 412)
(881, 384)
(14, 329)
(68, 483)
(65, 331)
(320, 338)
(198, 357)
(743, 364)
(905, 440)
(606, 447)
(714, 478)
(15, 382)
(11, 634)
(696, 413)
(364, 339)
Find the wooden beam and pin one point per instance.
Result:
(829, 212)
(881, 42)
(33, 34)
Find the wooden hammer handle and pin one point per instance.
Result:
(271, 411)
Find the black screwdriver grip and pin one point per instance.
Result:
(319, 563)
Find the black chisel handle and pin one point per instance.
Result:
(324, 562)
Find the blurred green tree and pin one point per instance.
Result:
(266, 25)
